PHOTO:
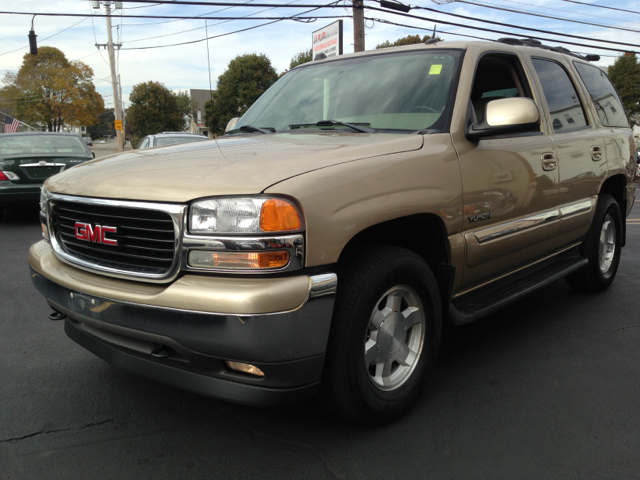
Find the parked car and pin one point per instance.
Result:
(360, 207)
(88, 141)
(28, 159)
(169, 138)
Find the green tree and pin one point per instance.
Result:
(246, 78)
(186, 107)
(104, 125)
(625, 75)
(49, 90)
(300, 58)
(408, 40)
(154, 108)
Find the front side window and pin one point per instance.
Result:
(604, 95)
(498, 75)
(395, 93)
(562, 98)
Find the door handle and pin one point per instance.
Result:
(596, 154)
(548, 161)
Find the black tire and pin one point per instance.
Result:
(373, 276)
(603, 261)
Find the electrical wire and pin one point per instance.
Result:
(293, 17)
(200, 28)
(541, 15)
(566, 11)
(502, 32)
(466, 17)
(601, 6)
(185, 17)
(201, 15)
(43, 39)
(96, 37)
(38, 97)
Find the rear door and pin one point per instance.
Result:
(582, 165)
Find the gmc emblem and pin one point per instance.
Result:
(97, 234)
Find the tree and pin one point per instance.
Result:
(408, 40)
(625, 76)
(246, 78)
(300, 58)
(186, 107)
(104, 125)
(154, 108)
(49, 90)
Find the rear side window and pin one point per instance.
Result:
(562, 99)
(604, 96)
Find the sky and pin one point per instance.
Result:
(184, 67)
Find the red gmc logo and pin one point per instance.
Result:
(97, 234)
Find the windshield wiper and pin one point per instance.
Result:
(251, 128)
(327, 123)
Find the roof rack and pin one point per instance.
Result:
(532, 42)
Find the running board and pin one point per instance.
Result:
(484, 301)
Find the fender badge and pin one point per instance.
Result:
(483, 216)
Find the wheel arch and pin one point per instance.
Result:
(424, 234)
(616, 186)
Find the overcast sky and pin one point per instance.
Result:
(183, 67)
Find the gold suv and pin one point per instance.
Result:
(360, 206)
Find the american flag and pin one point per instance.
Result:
(11, 124)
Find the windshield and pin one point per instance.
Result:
(162, 141)
(62, 145)
(390, 92)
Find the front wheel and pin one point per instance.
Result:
(602, 247)
(384, 337)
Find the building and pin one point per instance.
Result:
(198, 99)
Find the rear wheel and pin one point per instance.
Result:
(601, 247)
(384, 337)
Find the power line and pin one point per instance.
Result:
(293, 17)
(43, 39)
(466, 17)
(567, 11)
(601, 6)
(219, 4)
(200, 28)
(201, 15)
(502, 32)
(541, 15)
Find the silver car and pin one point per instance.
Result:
(169, 138)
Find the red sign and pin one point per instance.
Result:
(97, 234)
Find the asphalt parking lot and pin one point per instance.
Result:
(547, 388)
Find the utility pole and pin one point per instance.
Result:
(358, 26)
(114, 83)
(124, 140)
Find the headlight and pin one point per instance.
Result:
(44, 196)
(246, 215)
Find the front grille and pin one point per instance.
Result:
(146, 242)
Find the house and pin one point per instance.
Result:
(198, 99)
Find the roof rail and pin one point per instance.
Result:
(532, 42)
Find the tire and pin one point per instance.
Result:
(601, 247)
(375, 286)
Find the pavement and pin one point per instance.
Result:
(547, 388)
(105, 149)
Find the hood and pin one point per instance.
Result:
(235, 166)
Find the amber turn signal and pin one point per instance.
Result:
(279, 215)
(238, 260)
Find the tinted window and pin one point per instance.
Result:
(604, 96)
(562, 99)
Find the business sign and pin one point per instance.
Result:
(118, 124)
(327, 42)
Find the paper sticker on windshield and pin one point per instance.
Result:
(435, 69)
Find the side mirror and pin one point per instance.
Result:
(94, 154)
(505, 116)
(231, 124)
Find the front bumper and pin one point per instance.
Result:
(19, 193)
(288, 346)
